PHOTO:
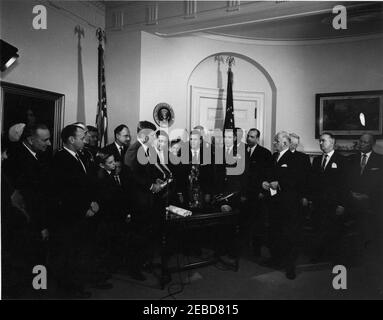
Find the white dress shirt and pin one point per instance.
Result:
(195, 154)
(34, 154)
(281, 154)
(252, 149)
(368, 154)
(119, 148)
(143, 146)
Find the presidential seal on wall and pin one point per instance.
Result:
(163, 115)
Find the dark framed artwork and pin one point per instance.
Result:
(347, 115)
(21, 104)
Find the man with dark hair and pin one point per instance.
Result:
(137, 159)
(91, 141)
(328, 192)
(147, 187)
(258, 164)
(230, 174)
(121, 142)
(74, 195)
(199, 166)
(89, 152)
(28, 173)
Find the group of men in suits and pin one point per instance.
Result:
(127, 187)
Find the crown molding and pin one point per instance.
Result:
(96, 4)
(268, 42)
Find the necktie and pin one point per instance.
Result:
(324, 161)
(363, 163)
(277, 157)
(79, 160)
(117, 179)
(195, 157)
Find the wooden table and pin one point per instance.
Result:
(174, 223)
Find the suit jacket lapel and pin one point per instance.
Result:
(284, 156)
(331, 161)
(75, 161)
(370, 162)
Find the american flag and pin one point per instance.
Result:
(229, 116)
(102, 116)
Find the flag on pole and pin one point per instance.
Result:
(229, 123)
(229, 116)
(102, 116)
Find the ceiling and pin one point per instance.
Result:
(364, 20)
(254, 20)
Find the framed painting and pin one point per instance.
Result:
(347, 115)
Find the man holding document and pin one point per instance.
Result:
(282, 186)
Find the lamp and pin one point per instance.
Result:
(8, 54)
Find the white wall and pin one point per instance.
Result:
(298, 71)
(123, 64)
(48, 58)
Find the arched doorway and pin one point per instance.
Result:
(254, 95)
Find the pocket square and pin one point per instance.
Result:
(284, 165)
(334, 165)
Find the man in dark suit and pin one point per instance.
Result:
(258, 164)
(303, 159)
(29, 175)
(121, 143)
(328, 192)
(366, 184)
(164, 167)
(140, 159)
(282, 184)
(137, 159)
(91, 141)
(230, 174)
(198, 164)
(74, 195)
(305, 168)
(88, 152)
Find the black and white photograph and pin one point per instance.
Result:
(198, 153)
